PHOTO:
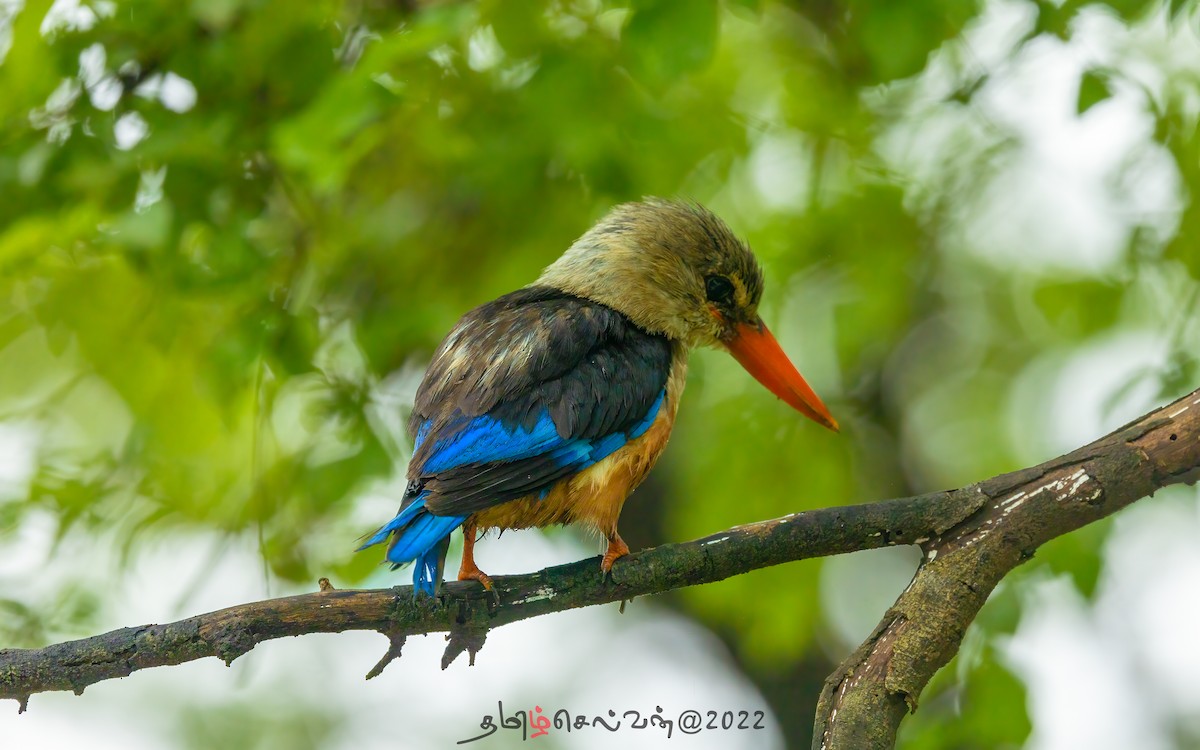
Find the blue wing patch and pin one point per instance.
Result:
(486, 440)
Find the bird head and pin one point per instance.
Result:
(676, 269)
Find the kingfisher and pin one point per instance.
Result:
(550, 405)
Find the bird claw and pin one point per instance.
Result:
(608, 576)
(485, 580)
(616, 550)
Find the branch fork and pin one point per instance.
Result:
(970, 539)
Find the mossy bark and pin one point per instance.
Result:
(971, 538)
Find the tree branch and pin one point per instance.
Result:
(395, 612)
(864, 701)
(971, 538)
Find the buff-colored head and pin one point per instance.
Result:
(676, 269)
(664, 264)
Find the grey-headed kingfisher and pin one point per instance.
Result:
(550, 405)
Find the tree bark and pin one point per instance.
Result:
(971, 538)
(865, 699)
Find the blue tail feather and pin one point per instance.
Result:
(428, 570)
(419, 536)
(425, 531)
(406, 514)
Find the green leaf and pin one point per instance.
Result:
(668, 39)
(1093, 89)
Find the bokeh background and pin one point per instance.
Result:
(233, 231)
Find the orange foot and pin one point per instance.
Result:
(473, 573)
(616, 548)
(469, 571)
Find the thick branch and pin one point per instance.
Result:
(464, 607)
(865, 699)
(957, 524)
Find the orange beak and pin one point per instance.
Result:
(757, 350)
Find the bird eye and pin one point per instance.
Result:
(719, 289)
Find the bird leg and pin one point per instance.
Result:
(616, 548)
(469, 571)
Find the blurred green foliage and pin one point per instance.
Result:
(232, 231)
